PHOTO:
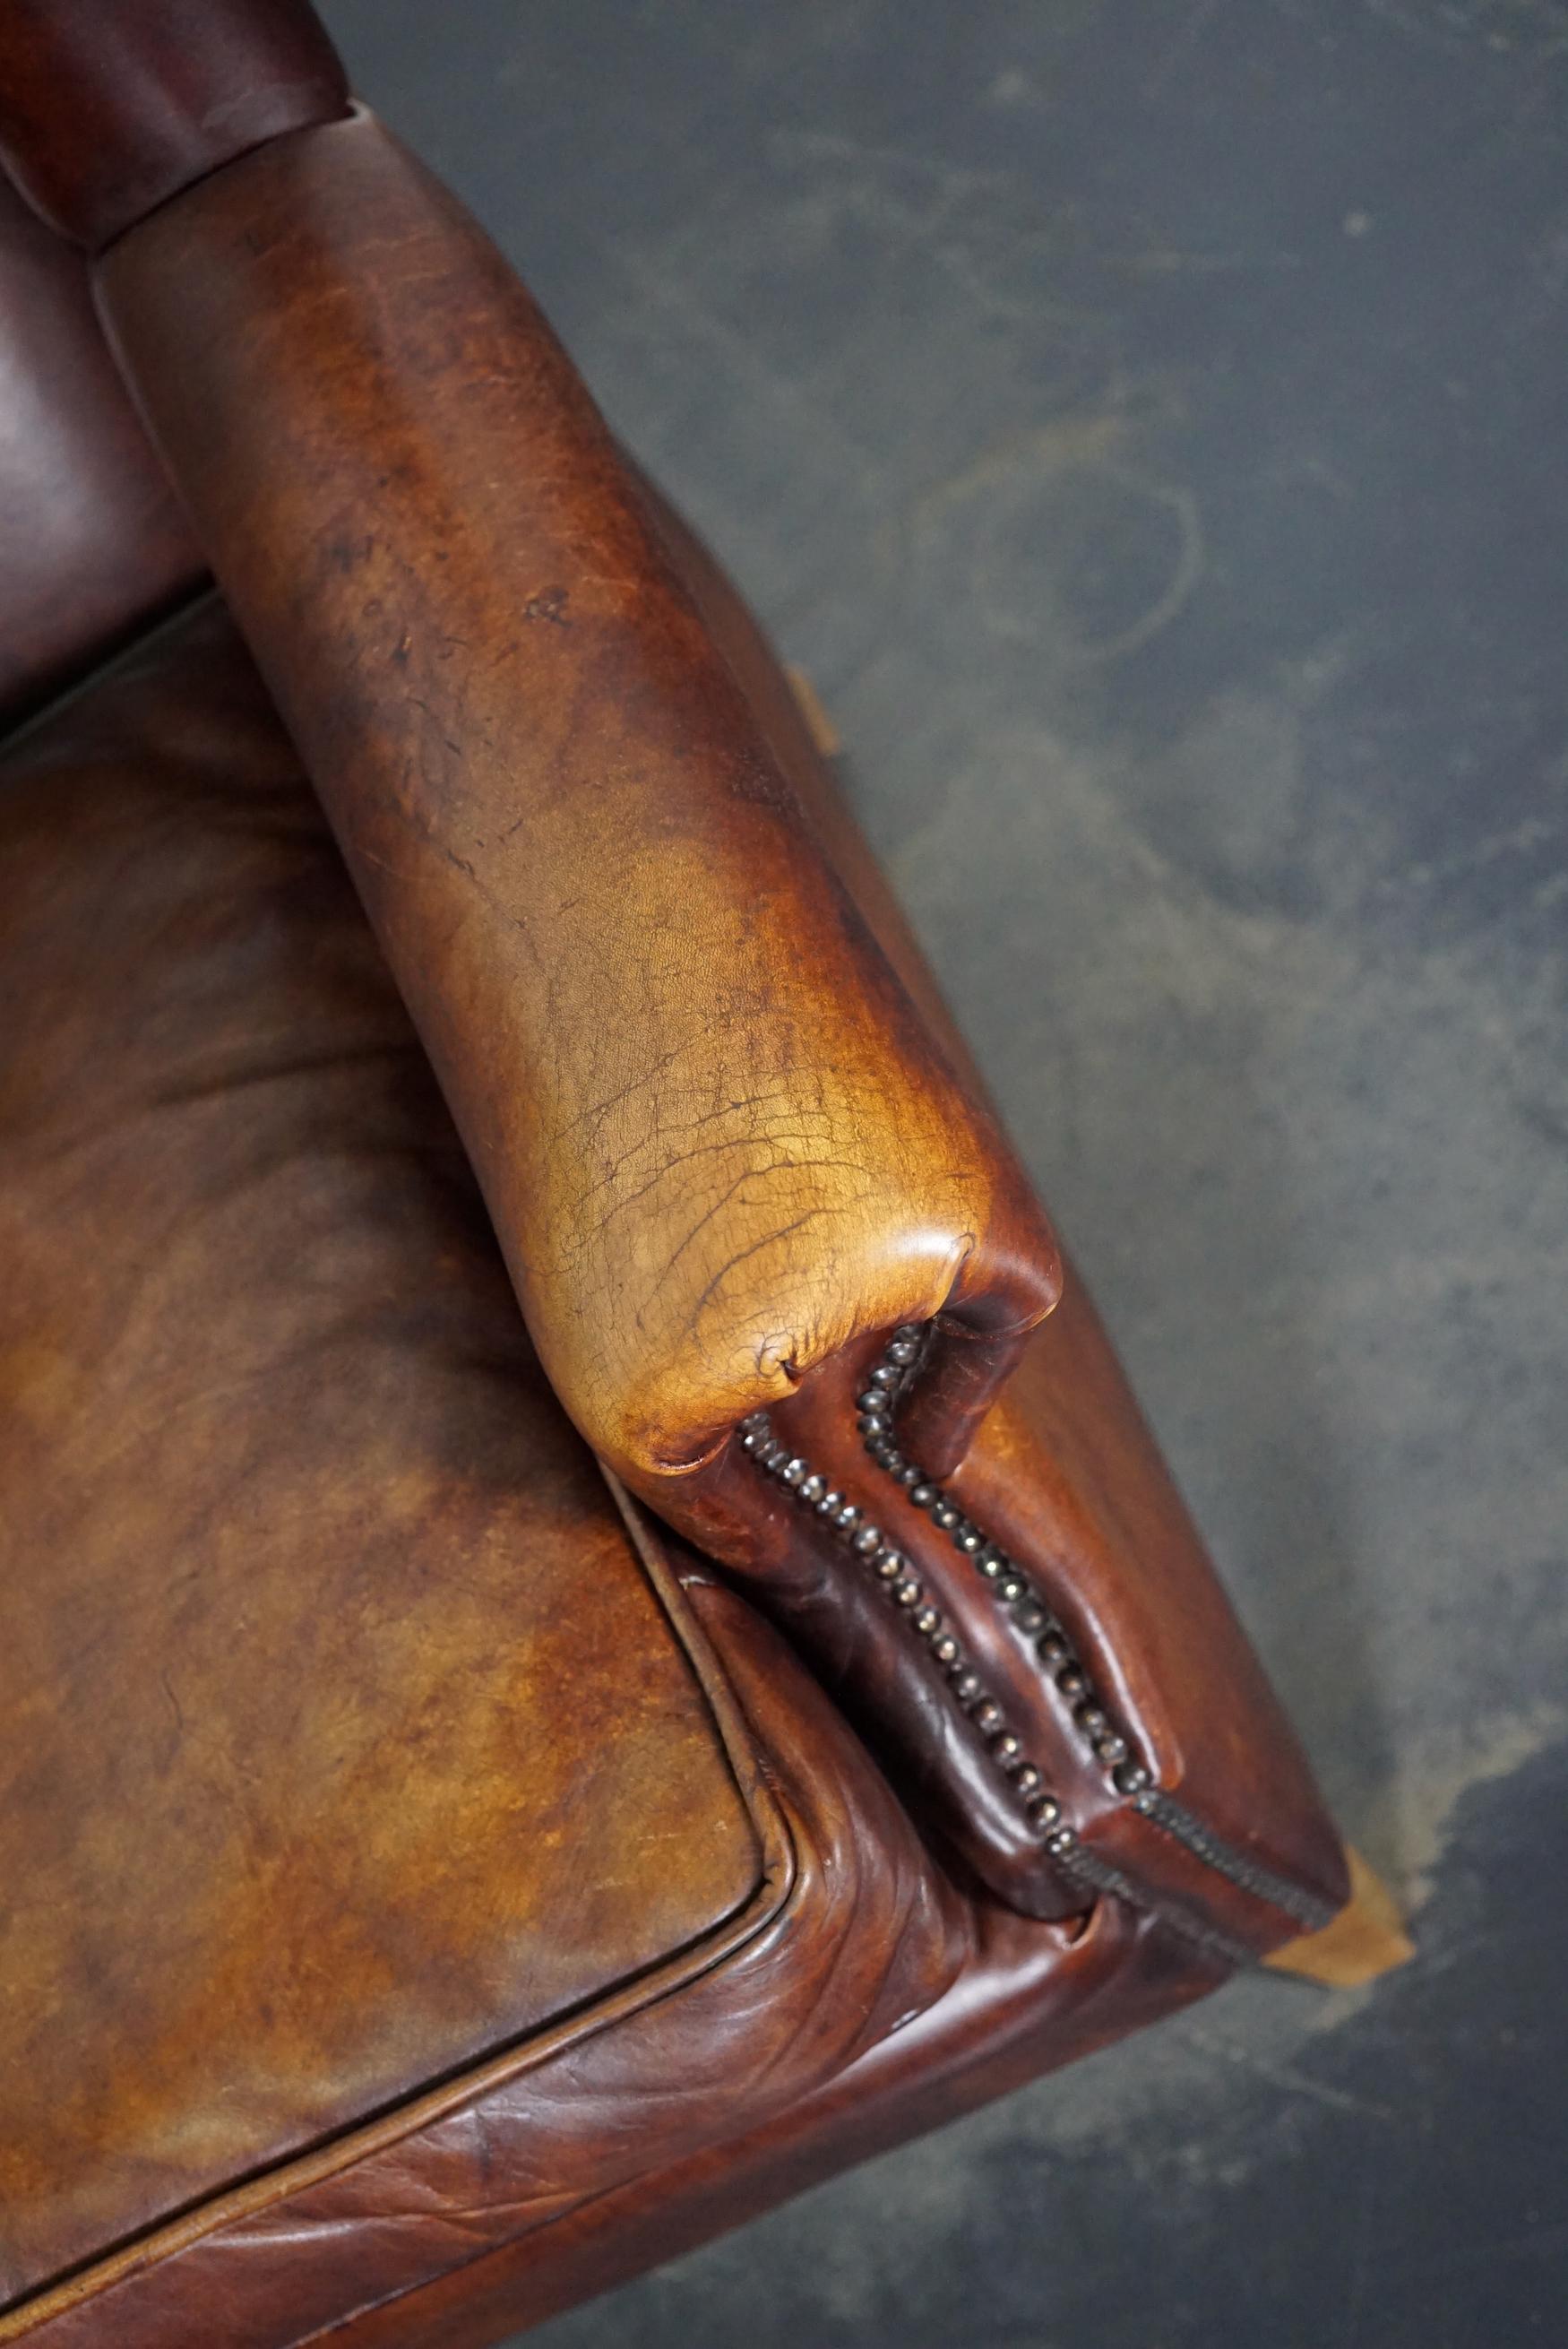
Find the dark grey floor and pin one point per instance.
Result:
(1147, 425)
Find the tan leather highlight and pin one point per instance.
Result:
(715, 1138)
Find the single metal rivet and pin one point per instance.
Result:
(946, 1516)
(1053, 1649)
(891, 1564)
(1007, 1749)
(1029, 1616)
(1071, 1681)
(1044, 1809)
(1026, 1777)
(1111, 1749)
(988, 1717)
(830, 1503)
(967, 1686)
(1131, 1779)
(1011, 1587)
(909, 1594)
(1091, 1720)
(946, 1650)
(928, 1622)
(868, 1540)
(924, 1496)
(1062, 1841)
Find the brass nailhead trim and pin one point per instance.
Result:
(1031, 1618)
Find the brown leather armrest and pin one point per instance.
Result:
(718, 1142)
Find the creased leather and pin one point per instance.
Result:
(715, 1138)
(227, 1182)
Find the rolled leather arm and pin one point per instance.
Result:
(718, 1142)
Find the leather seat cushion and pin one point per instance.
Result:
(343, 1738)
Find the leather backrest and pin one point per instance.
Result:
(107, 111)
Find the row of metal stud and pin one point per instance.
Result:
(885, 1384)
(1029, 1614)
(893, 1571)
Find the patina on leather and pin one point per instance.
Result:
(400, 1868)
(717, 1141)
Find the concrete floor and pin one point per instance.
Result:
(1147, 427)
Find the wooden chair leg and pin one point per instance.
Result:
(1367, 1939)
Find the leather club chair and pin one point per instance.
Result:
(589, 1630)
